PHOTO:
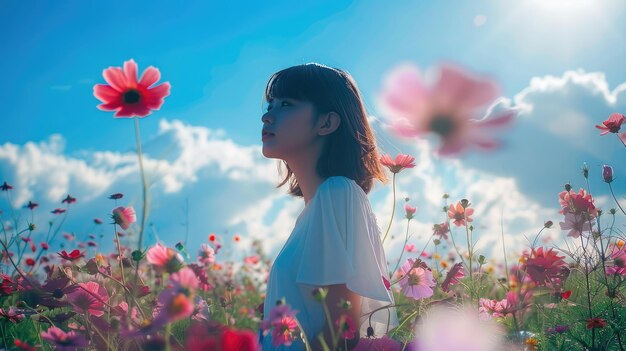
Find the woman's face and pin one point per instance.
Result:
(292, 124)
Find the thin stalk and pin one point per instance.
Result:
(393, 208)
(144, 209)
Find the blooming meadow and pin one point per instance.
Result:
(449, 296)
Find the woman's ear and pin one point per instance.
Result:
(329, 123)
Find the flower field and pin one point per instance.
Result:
(449, 296)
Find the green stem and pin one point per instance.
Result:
(145, 199)
(614, 198)
(393, 208)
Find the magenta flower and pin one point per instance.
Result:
(576, 224)
(617, 260)
(164, 258)
(175, 305)
(185, 279)
(70, 341)
(577, 203)
(401, 162)
(124, 216)
(282, 323)
(379, 344)
(454, 275)
(607, 173)
(612, 124)
(126, 95)
(346, 326)
(417, 281)
(90, 298)
(451, 108)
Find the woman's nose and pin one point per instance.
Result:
(266, 118)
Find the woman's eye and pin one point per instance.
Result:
(284, 102)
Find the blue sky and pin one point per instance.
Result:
(218, 57)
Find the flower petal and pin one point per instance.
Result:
(150, 76)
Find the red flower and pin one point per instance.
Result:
(612, 124)
(401, 162)
(126, 95)
(596, 323)
(211, 237)
(565, 295)
(545, 266)
(44, 246)
(22, 345)
(30, 262)
(72, 256)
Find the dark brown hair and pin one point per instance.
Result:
(350, 150)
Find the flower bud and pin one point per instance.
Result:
(567, 187)
(319, 294)
(585, 170)
(137, 255)
(370, 332)
(465, 203)
(548, 224)
(607, 173)
(612, 211)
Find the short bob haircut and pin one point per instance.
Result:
(350, 150)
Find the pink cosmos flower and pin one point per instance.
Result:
(91, 297)
(70, 341)
(409, 247)
(282, 323)
(401, 162)
(409, 210)
(617, 260)
(492, 308)
(418, 281)
(612, 124)
(450, 108)
(441, 230)
(127, 96)
(576, 224)
(459, 214)
(577, 203)
(12, 314)
(175, 305)
(124, 216)
(185, 279)
(454, 275)
(252, 260)
(165, 258)
(544, 266)
(206, 254)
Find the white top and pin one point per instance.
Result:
(335, 240)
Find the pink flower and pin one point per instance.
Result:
(185, 279)
(493, 308)
(165, 258)
(617, 259)
(409, 247)
(346, 325)
(126, 95)
(545, 266)
(418, 281)
(175, 305)
(124, 216)
(206, 254)
(401, 162)
(454, 275)
(441, 230)
(12, 314)
(379, 344)
(410, 211)
(63, 341)
(577, 203)
(576, 224)
(91, 297)
(612, 124)
(450, 108)
(251, 260)
(459, 214)
(282, 323)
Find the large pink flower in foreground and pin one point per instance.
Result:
(418, 281)
(164, 258)
(282, 323)
(451, 108)
(128, 96)
(91, 297)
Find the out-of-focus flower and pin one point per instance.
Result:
(401, 162)
(69, 199)
(454, 275)
(175, 305)
(378, 344)
(557, 329)
(68, 236)
(493, 308)
(185, 279)
(418, 281)
(459, 214)
(236, 238)
(90, 297)
(544, 266)
(409, 210)
(576, 224)
(616, 260)
(31, 205)
(58, 211)
(23, 345)
(97, 221)
(116, 196)
(441, 230)
(251, 260)
(409, 247)
(72, 256)
(212, 237)
(128, 96)
(282, 324)
(165, 258)
(596, 323)
(124, 216)
(607, 173)
(346, 326)
(12, 314)
(213, 336)
(30, 262)
(5, 186)
(70, 341)
(451, 108)
(612, 124)
(206, 254)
